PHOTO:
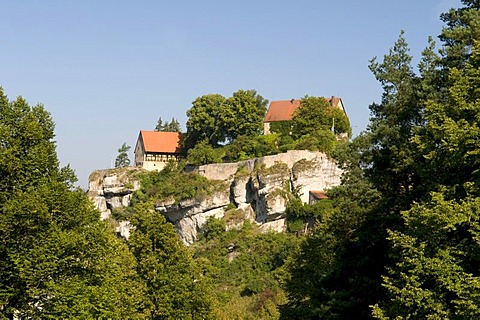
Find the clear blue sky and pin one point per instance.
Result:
(107, 69)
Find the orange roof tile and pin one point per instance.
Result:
(159, 141)
(320, 195)
(281, 110)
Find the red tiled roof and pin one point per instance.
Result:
(320, 195)
(159, 141)
(282, 110)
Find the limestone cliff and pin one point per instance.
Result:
(257, 190)
(113, 188)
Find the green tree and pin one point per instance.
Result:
(436, 255)
(384, 181)
(242, 115)
(461, 32)
(436, 273)
(203, 123)
(218, 120)
(315, 114)
(203, 153)
(160, 125)
(27, 149)
(332, 269)
(172, 126)
(245, 147)
(176, 288)
(122, 159)
(57, 259)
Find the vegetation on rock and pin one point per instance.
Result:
(173, 184)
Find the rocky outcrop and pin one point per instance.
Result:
(257, 190)
(189, 216)
(110, 189)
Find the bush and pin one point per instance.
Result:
(173, 183)
(213, 228)
(204, 153)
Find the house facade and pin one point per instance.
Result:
(154, 149)
(283, 110)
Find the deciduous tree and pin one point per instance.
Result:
(57, 259)
(175, 288)
(242, 114)
(203, 122)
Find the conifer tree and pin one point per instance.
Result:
(437, 254)
(122, 159)
(160, 125)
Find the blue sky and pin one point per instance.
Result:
(107, 69)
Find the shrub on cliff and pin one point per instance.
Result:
(174, 184)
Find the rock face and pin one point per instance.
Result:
(113, 188)
(257, 190)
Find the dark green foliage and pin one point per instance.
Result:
(436, 254)
(27, 149)
(315, 114)
(203, 121)
(242, 115)
(283, 128)
(122, 159)
(66, 263)
(246, 268)
(172, 126)
(305, 285)
(449, 141)
(329, 275)
(213, 228)
(219, 120)
(176, 287)
(460, 33)
(122, 214)
(404, 233)
(245, 147)
(437, 257)
(323, 140)
(57, 259)
(204, 153)
(299, 214)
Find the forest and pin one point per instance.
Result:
(398, 239)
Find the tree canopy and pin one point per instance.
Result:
(402, 242)
(58, 260)
(219, 120)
